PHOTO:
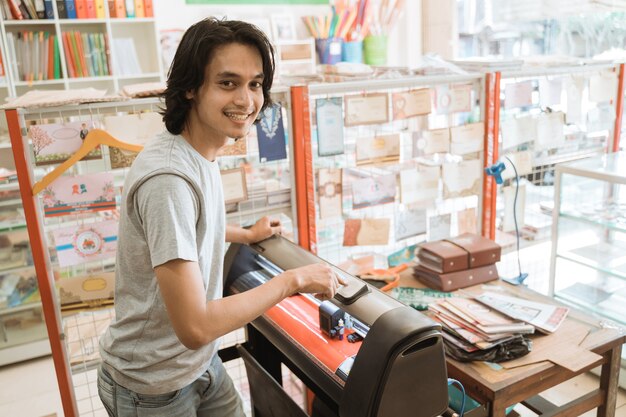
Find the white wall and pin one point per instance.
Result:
(404, 41)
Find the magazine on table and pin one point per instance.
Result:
(545, 317)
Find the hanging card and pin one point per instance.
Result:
(366, 232)
(368, 192)
(453, 99)
(82, 193)
(439, 227)
(271, 135)
(518, 94)
(550, 131)
(411, 103)
(329, 192)
(379, 149)
(523, 164)
(575, 86)
(466, 221)
(329, 119)
(550, 92)
(467, 138)
(366, 109)
(603, 87)
(419, 186)
(462, 179)
(433, 141)
(516, 131)
(234, 185)
(54, 143)
(136, 129)
(86, 243)
(409, 223)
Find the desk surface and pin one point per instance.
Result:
(490, 383)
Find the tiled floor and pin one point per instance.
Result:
(29, 389)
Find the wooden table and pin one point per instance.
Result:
(501, 388)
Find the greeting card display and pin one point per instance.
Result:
(87, 243)
(81, 193)
(329, 192)
(409, 223)
(56, 142)
(368, 192)
(271, 135)
(329, 119)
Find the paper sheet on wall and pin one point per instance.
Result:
(379, 149)
(466, 221)
(329, 192)
(508, 222)
(434, 141)
(550, 91)
(419, 186)
(366, 232)
(411, 103)
(516, 131)
(409, 223)
(367, 192)
(439, 227)
(329, 119)
(574, 87)
(518, 94)
(550, 131)
(453, 99)
(234, 185)
(467, 138)
(603, 87)
(462, 179)
(366, 109)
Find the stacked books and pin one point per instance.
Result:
(459, 262)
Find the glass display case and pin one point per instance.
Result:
(588, 263)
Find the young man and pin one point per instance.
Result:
(159, 357)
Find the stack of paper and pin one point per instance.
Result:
(471, 325)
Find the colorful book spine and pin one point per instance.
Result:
(139, 9)
(148, 8)
(62, 9)
(100, 13)
(90, 6)
(70, 7)
(49, 11)
(81, 9)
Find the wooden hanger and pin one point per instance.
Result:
(94, 138)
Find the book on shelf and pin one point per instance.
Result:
(35, 55)
(85, 54)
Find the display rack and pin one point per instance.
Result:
(74, 333)
(536, 130)
(324, 234)
(588, 264)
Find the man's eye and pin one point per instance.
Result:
(256, 84)
(228, 83)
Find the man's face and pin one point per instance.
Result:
(229, 101)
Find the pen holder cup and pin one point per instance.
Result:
(375, 49)
(352, 52)
(328, 50)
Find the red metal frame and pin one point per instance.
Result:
(492, 127)
(619, 110)
(45, 278)
(303, 162)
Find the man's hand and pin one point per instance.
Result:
(318, 279)
(263, 229)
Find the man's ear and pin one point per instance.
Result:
(189, 95)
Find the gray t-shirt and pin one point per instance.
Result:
(172, 208)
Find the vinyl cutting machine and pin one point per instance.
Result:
(397, 370)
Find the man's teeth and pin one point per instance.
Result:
(239, 117)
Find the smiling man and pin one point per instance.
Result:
(160, 355)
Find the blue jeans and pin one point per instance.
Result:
(211, 395)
